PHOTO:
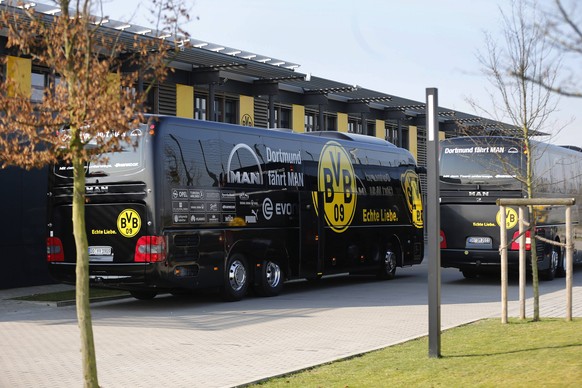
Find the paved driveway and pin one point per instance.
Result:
(200, 341)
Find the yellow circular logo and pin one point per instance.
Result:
(510, 217)
(411, 186)
(128, 223)
(246, 120)
(336, 185)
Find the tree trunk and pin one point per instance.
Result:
(82, 280)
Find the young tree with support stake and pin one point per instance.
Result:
(95, 97)
(524, 54)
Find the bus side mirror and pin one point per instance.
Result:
(420, 170)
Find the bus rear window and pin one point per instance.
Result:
(128, 161)
(479, 164)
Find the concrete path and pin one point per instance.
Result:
(202, 342)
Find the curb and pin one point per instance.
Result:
(72, 302)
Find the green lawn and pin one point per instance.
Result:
(485, 354)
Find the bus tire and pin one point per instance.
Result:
(470, 273)
(550, 272)
(236, 278)
(143, 294)
(561, 270)
(269, 279)
(388, 266)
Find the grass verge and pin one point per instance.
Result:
(483, 354)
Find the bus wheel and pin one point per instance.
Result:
(550, 273)
(143, 294)
(236, 280)
(270, 281)
(561, 270)
(388, 269)
(469, 273)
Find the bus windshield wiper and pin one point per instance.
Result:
(450, 180)
(96, 174)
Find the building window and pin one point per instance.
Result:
(217, 111)
(42, 82)
(39, 81)
(404, 140)
(371, 128)
(282, 117)
(310, 120)
(151, 103)
(200, 107)
(392, 133)
(225, 110)
(330, 122)
(230, 111)
(354, 125)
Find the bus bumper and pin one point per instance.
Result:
(477, 260)
(140, 276)
(105, 275)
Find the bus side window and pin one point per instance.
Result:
(192, 162)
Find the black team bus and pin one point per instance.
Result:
(475, 172)
(201, 204)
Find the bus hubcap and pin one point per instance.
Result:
(390, 261)
(237, 275)
(272, 274)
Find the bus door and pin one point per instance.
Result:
(312, 236)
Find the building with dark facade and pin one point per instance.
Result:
(218, 83)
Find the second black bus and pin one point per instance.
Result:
(475, 172)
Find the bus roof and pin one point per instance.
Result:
(351, 137)
(512, 139)
(283, 133)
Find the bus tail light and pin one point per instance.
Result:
(150, 249)
(443, 240)
(515, 241)
(54, 249)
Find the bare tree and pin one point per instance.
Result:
(95, 100)
(562, 23)
(524, 54)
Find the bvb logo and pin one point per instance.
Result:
(128, 223)
(246, 120)
(336, 181)
(511, 218)
(411, 186)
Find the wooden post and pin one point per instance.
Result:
(569, 263)
(567, 202)
(522, 268)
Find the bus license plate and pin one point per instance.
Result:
(99, 251)
(479, 240)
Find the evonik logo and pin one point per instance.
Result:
(267, 208)
(279, 209)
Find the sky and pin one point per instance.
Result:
(398, 47)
